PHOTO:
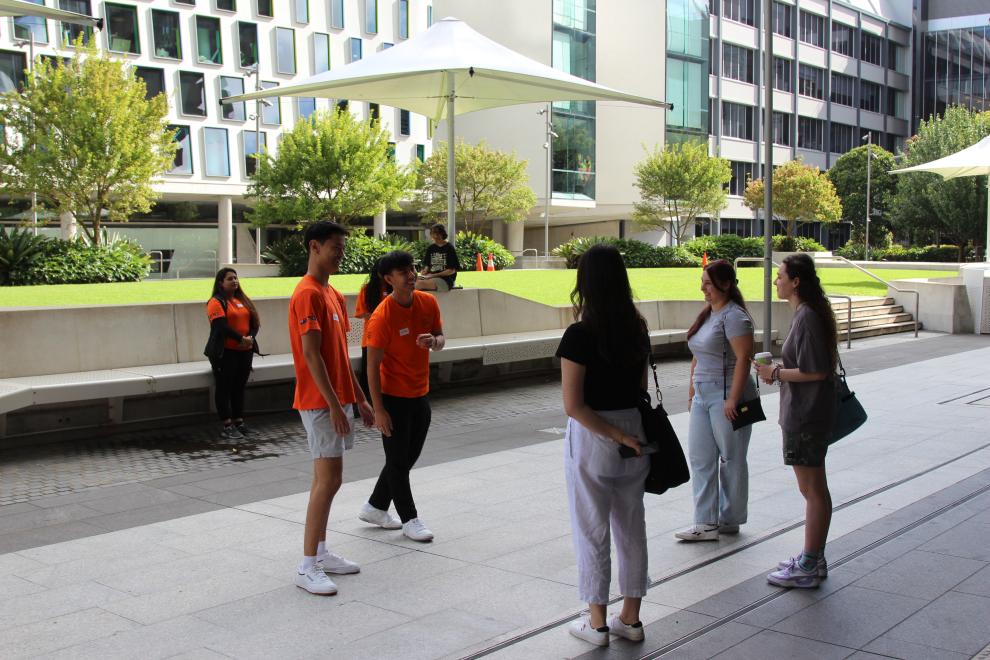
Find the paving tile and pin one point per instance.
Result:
(890, 647)
(977, 584)
(31, 608)
(11, 585)
(151, 514)
(921, 574)
(163, 640)
(31, 520)
(963, 541)
(721, 639)
(791, 601)
(133, 500)
(770, 644)
(61, 631)
(955, 621)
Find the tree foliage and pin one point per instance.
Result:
(85, 139)
(331, 166)
(489, 185)
(678, 184)
(801, 193)
(848, 175)
(925, 202)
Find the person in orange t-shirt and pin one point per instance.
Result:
(325, 385)
(401, 333)
(367, 301)
(234, 324)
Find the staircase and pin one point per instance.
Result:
(872, 316)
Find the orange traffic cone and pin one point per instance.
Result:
(704, 259)
(491, 263)
(478, 266)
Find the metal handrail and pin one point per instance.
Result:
(161, 262)
(535, 252)
(917, 296)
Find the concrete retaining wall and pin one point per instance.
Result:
(944, 306)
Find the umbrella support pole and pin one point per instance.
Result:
(451, 162)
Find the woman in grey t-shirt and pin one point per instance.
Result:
(721, 342)
(807, 410)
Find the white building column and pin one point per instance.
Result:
(68, 226)
(379, 223)
(498, 231)
(225, 227)
(514, 236)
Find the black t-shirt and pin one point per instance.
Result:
(442, 257)
(606, 385)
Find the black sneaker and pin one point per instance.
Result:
(243, 428)
(231, 433)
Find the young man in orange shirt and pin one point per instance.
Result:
(401, 332)
(325, 385)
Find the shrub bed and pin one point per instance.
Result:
(635, 254)
(26, 259)
(931, 253)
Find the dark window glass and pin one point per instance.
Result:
(285, 50)
(737, 62)
(740, 11)
(209, 48)
(54, 61)
(122, 29)
(191, 3)
(421, 152)
(782, 129)
(870, 96)
(227, 5)
(192, 92)
(783, 74)
(374, 112)
(301, 10)
(343, 105)
(893, 106)
(894, 50)
(337, 14)
(812, 29)
(12, 66)
(811, 133)
(154, 80)
(305, 106)
(843, 37)
(741, 175)
(355, 49)
(266, 8)
(25, 26)
(391, 150)
(404, 122)
(217, 151)
(321, 52)
(737, 120)
(183, 161)
(842, 138)
(251, 149)
(247, 44)
(371, 16)
(782, 19)
(71, 31)
(403, 19)
(843, 89)
(811, 81)
(165, 32)
(871, 48)
(230, 86)
(271, 108)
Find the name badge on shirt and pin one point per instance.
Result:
(403, 332)
(335, 317)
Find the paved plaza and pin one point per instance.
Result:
(161, 544)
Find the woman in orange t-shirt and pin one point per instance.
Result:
(372, 293)
(234, 324)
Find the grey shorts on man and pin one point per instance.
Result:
(324, 442)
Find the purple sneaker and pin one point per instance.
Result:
(793, 576)
(822, 566)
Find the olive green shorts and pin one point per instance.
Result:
(807, 449)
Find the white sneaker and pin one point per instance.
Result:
(315, 581)
(582, 630)
(634, 632)
(383, 519)
(699, 533)
(416, 530)
(332, 563)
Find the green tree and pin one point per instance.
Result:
(87, 141)
(927, 203)
(801, 193)
(679, 183)
(329, 167)
(490, 185)
(848, 175)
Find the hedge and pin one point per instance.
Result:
(731, 246)
(933, 253)
(635, 254)
(26, 259)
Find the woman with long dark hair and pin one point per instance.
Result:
(721, 343)
(807, 410)
(603, 361)
(368, 299)
(234, 320)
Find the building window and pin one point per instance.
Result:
(251, 150)
(337, 14)
(783, 74)
(305, 106)
(183, 161)
(687, 89)
(894, 51)
(842, 138)
(737, 120)
(217, 151)
(405, 120)
(374, 112)
(56, 61)
(893, 106)
(843, 37)
(870, 96)
(386, 45)
(782, 129)
(811, 133)
(403, 19)
(782, 19)
(122, 29)
(247, 44)
(166, 34)
(871, 48)
(285, 51)
(391, 151)
(230, 86)
(191, 3)
(209, 48)
(811, 81)
(740, 11)
(12, 66)
(421, 152)
(737, 62)
(192, 92)
(71, 31)
(266, 8)
(742, 173)
(343, 105)
(301, 11)
(321, 52)
(226, 5)
(25, 26)
(429, 15)
(271, 109)
(843, 89)
(154, 80)
(371, 16)
(355, 49)
(812, 29)
(573, 51)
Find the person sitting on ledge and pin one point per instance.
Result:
(440, 263)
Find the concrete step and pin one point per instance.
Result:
(877, 330)
(860, 312)
(875, 320)
(866, 301)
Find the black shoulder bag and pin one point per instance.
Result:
(849, 412)
(668, 467)
(214, 345)
(747, 412)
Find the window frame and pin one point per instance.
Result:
(807, 33)
(213, 21)
(370, 17)
(788, 11)
(155, 13)
(819, 78)
(68, 32)
(820, 125)
(787, 74)
(189, 156)
(337, 14)
(207, 130)
(182, 97)
(403, 23)
(852, 39)
(280, 30)
(233, 6)
(18, 73)
(271, 9)
(30, 24)
(317, 36)
(262, 138)
(160, 72)
(135, 26)
(276, 104)
(405, 123)
(240, 45)
(238, 111)
(299, 110)
(847, 86)
(295, 11)
(356, 41)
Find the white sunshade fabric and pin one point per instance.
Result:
(21, 8)
(413, 76)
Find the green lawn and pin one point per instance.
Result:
(552, 287)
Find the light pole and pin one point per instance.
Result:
(256, 72)
(869, 163)
(34, 195)
(548, 145)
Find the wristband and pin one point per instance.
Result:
(438, 342)
(775, 374)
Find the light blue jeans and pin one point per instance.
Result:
(719, 474)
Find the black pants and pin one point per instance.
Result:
(231, 378)
(362, 378)
(410, 423)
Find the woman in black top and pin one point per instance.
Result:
(440, 263)
(603, 370)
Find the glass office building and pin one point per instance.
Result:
(955, 70)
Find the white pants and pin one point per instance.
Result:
(605, 492)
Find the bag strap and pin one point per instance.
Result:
(656, 381)
(223, 303)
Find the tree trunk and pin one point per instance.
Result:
(791, 228)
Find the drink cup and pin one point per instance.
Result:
(763, 358)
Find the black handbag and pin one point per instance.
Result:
(214, 345)
(747, 412)
(668, 467)
(849, 412)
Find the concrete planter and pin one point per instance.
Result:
(254, 270)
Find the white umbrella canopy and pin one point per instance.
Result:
(22, 8)
(449, 70)
(971, 161)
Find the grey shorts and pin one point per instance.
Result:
(323, 439)
(806, 449)
(441, 284)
